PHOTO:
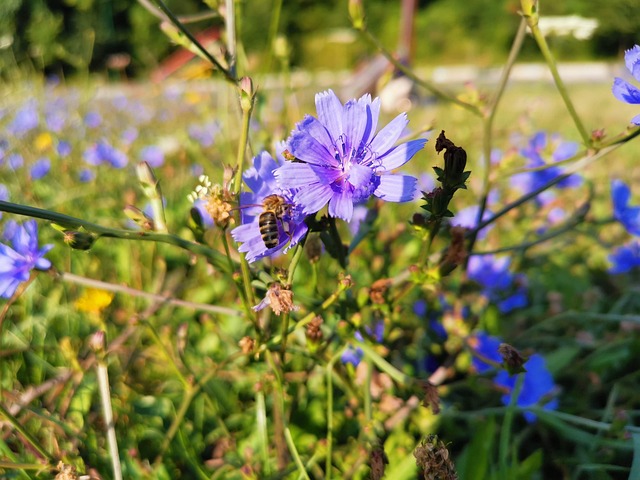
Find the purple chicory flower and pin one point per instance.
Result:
(24, 254)
(63, 148)
(26, 119)
(153, 155)
(499, 285)
(353, 355)
(625, 258)
(340, 160)
(92, 119)
(291, 227)
(537, 386)
(487, 346)
(103, 152)
(627, 215)
(86, 175)
(15, 161)
(538, 147)
(40, 168)
(623, 90)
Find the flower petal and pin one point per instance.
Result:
(359, 175)
(317, 130)
(374, 114)
(398, 156)
(389, 134)
(313, 198)
(632, 60)
(625, 92)
(396, 188)
(308, 149)
(329, 111)
(295, 175)
(341, 205)
(355, 121)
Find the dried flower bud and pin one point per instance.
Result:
(66, 472)
(97, 341)
(378, 290)
(219, 210)
(346, 281)
(511, 358)
(279, 298)
(377, 462)
(455, 161)
(432, 457)
(457, 251)
(313, 247)
(139, 217)
(431, 397)
(246, 345)
(313, 332)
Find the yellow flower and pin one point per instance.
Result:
(93, 300)
(43, 141)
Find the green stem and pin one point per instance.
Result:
(297, 254)
(441, 94)
(329, 367)
(242, 144)
(505, 431)
(178, 24)
(72, 223)
(551, 63)
(107, 411)
(488, 125)
(27, 436)
(294, 452)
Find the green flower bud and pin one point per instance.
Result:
(79, 240)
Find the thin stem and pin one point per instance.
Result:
(33, 442)
(242, 144)
(230, 26)
(488, 124)
(72, 223)
(294, 452)
(187, 398)
(107, 412)
(297, 254)
(551, 63)
(329, 368)
(505, 431)
(176, 22)
(111, 287)
(368, 36)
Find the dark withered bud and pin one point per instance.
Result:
(246, 345)
(313, 248)
(377, 462)
(314, 332)
(511, 359)
(139, 217)
(432, 458)
(79, 240)
(455, 160)
(378, 290)
(456, 252)
(431, 398)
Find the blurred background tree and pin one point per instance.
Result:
(80, 36)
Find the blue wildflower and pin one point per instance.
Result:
(628, 216)
(625, 258)
(537, 386)
(63, 148)
(92, 119)
(40, 168)
(103, 152)
(86, 175)
(26, 119)
(534, 152)
(17, 260)
(291, 228)
(353, 355)
(129, 135)
(203, 134)
(622, 89)
(487, 346)
(15, 161)
(498, 283)
(468, 218)
(342, 161)
(153, 155)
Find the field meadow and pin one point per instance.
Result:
(404, 343)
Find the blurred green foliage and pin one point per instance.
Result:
(80, 36)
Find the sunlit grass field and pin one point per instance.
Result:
(187, 402)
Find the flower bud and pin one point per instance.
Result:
(97, 341)
(147, 180)
(356, 13)
(79, 240)
(247, 94)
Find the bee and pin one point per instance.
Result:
(275, 207)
